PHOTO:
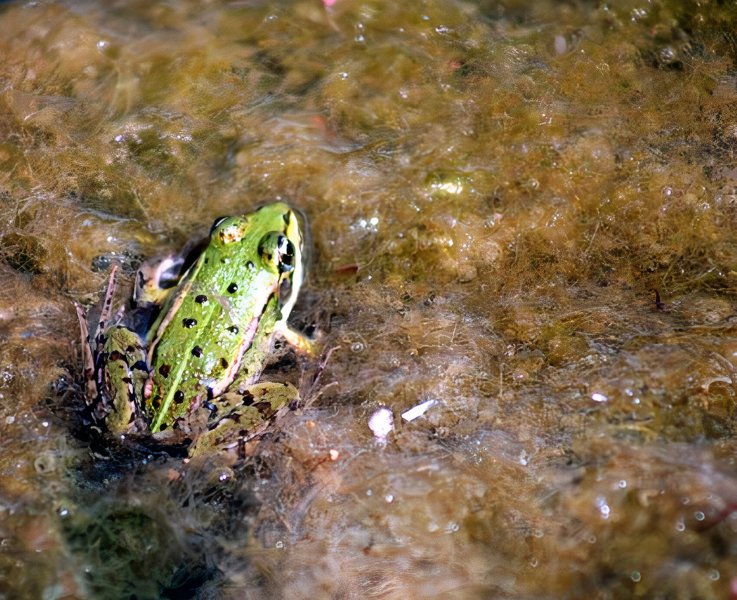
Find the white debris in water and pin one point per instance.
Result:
(418, 410)
(381, 423)
(597, 397)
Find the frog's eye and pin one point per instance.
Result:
(216, 223)
(277, 250)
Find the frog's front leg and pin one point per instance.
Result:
(299, 342)
(236, 417)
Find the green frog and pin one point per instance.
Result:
(184, 361)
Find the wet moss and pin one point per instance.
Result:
(495, 191)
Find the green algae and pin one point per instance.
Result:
(522, 211)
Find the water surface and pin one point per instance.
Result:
(523, 212)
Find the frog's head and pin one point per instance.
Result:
(272, 234)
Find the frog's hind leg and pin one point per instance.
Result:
(236, 418)
(122, 379)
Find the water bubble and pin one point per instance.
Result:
(667, 54)
(680, 526)
(45, 463)
(667, 191)
(604, 508)
(357, 347)
(279, 544)
(622, 483)
(635, 576)
(638, 14)
(699, 516)
(597, 397)
(714, 575)
(389, 498)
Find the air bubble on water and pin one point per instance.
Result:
(452, 527)
(699, 516)
(534, 563)
(357, 347)
(635, 576)
(603, 507)
(622, 483)
(714, 575)
(279, 544)
(667, 191)
(389, 498)
(369, 492)
(597, 397)
(680, 526)
(638, 14)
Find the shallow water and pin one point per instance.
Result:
(523, 212)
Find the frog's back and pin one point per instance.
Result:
(220, 321)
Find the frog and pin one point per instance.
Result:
(184, 359)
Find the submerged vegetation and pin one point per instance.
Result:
(522, 211)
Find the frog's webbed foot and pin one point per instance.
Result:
(237, 417)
